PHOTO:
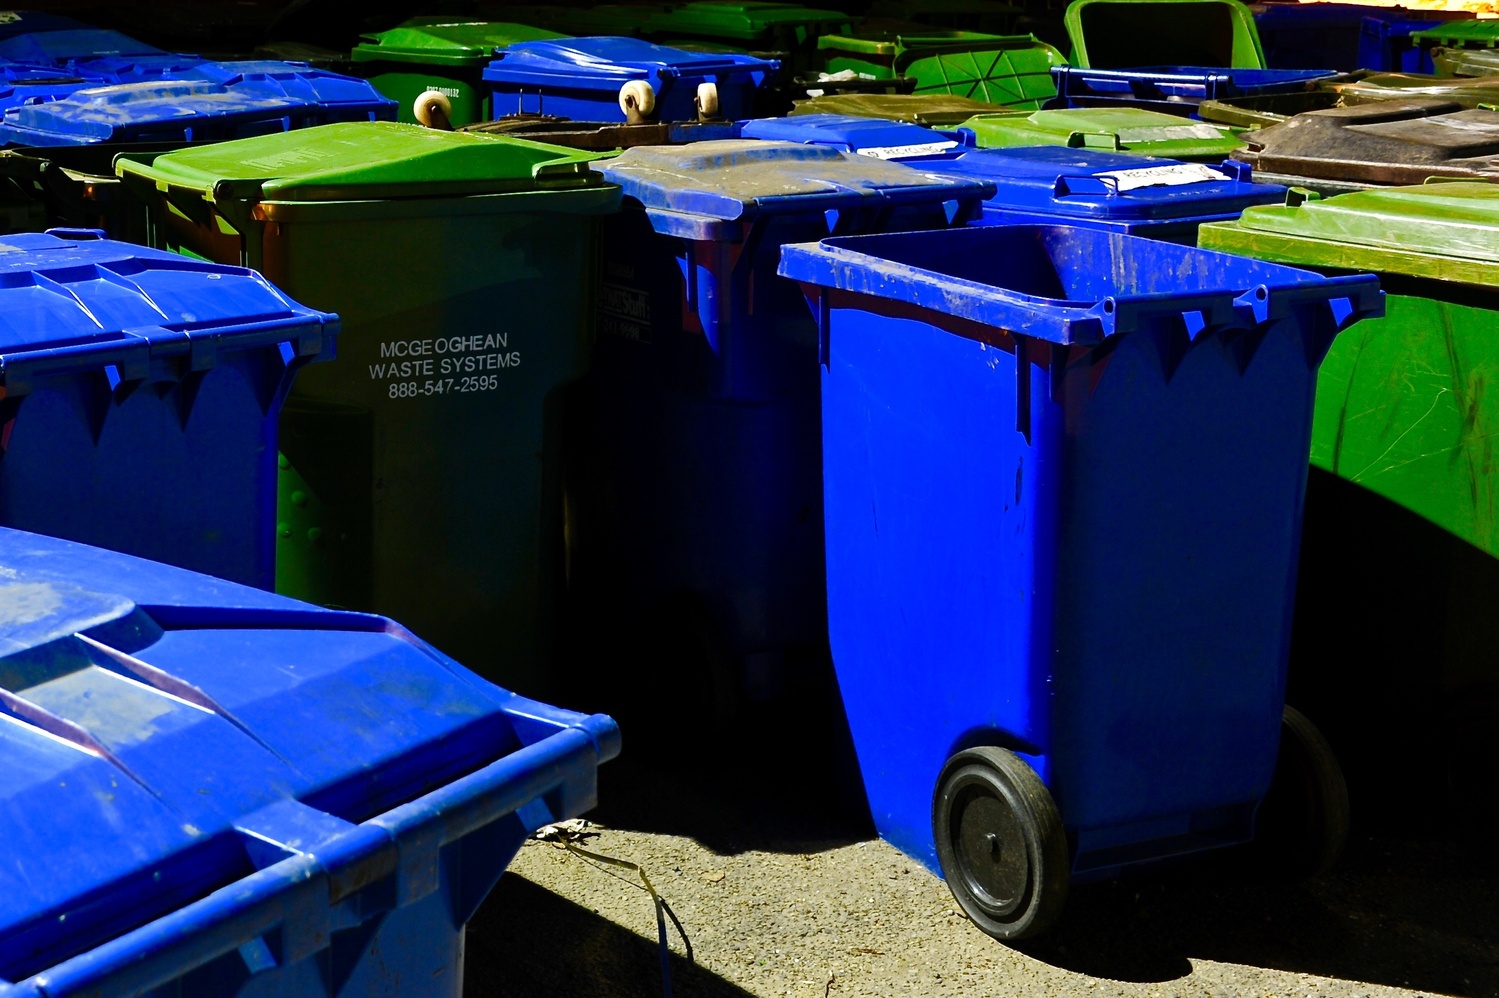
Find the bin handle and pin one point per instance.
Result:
(1083, 140)
(68, 232)
(1069, 184)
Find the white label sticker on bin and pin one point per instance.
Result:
(906, 152)
(1164, 176)
(1171, 133)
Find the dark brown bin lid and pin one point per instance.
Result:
(1388, 142)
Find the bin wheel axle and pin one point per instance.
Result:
(1000, 842)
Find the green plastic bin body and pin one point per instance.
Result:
(1130, 129)
(1124, 34)
(932, 110)
(439, 54)
(1462, 48)
(1006, 70)
(786, 31)
(1400, 570)
(464, 268)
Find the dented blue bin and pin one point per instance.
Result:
(20, 83)
(699, 497)
(141, 392)
(214, 791)
(1063, 473)
(582, 79)
(338, 97)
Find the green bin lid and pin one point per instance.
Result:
(367, 160)
(932, 110)
(439, 42)
(1469, 91)
(1467, 34)
(1446, 230)
(1130, 128)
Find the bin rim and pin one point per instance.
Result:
(841, 264)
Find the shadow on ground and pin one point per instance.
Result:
(527, 941)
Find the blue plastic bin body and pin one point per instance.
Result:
(1064, 472)
(1346, 35)
(141, 396)
(898, 140)
(1174, 89)
(703, 447)
(580, 78)
(210, 790)
(186, 111)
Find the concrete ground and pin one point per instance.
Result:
(783, 894)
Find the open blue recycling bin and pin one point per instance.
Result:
(141, 397)
(588, 79)
(213, 791)
(191, 110)
(699, 499)
(1174, 89)
(1064, 472)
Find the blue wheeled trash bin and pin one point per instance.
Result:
(1064, 472)
(141, 395)
(209, 790)
(697, 498)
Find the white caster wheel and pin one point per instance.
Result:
(707, 101)
(434, 110)
(638, 101)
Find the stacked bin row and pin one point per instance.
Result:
(965, 383)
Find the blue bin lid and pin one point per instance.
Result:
(21, 22)
(59, 47)
(1098, 184)
(74, 301)
(172, 110)
(732, 179)
(872, 137)
(607, 63)
(298, 81)
(167, 734)
(20, 83)
(136, 68)
(1247, 80)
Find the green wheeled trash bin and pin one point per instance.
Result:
(434, 55)
(463, 266)
(1461, 48)
(1271, 109)
(1400, 568)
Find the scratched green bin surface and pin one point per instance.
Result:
(463, 268)
(1006, 70)
(1404, 406)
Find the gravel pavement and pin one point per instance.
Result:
(782, 894)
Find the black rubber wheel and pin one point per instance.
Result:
(1000, 842)
(1303, 820)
